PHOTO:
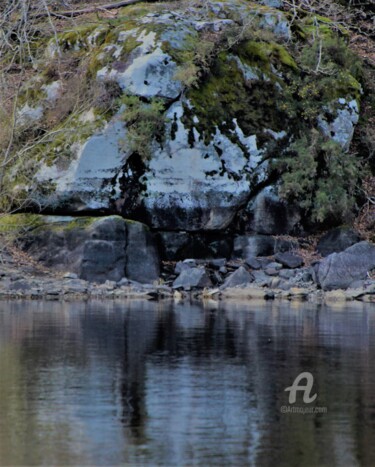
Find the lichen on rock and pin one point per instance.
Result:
(234, 88)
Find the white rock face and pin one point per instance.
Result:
(341, 129)
(201, 188)
(87, 179)
(150, 73)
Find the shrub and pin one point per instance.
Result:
(145, 122)
(321, 177)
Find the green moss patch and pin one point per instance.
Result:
(224, 95)
(16, 223)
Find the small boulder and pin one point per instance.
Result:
(287, 273)
(253, 263)
(239, 277)
(183, 265)
(192, 278)
(261, 279)
(289, 260)
(217, 263)
(271, 271)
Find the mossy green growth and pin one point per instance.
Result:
(77, 37)
(145, 122)
(59, 224)
(265, 54)
(225, 95)
(317, 26)
(17, 223)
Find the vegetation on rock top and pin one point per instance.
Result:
(298, 77)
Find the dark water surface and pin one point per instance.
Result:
(146, 383)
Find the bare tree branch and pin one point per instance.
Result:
(83, 11)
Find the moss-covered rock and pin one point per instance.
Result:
(185, 115)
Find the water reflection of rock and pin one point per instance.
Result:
(176, 378)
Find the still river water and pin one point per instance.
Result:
(147, 383)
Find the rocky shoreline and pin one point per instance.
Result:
(265, 278)
(60, 258)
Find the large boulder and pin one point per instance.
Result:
(337, 240)
(171, 149)
(270, 215)
(339, 270)
(96, 249)
(253, 245)
(142, 258)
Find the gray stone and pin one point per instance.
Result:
(358, 284)
(76, 286)
(306, 276)
(253, 245)
(186, 188)
(142, 257)
(276, 282)
(261, 278)
(192, 278)
(95, 249)
(336, 240)
(289, 260)
(339, 270)
(253, 262)
(272, 3)
(20, 285)
(123, 282)
(87, 181)
(340, 126)
(102, 260)
(179, 245)
(217, 263)
(239, 277)
(271, 271)
(216, 278)
(70, 275)
(287, 273)
(181, 266)
(173, 244)
(282, 245)
(269, 215)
